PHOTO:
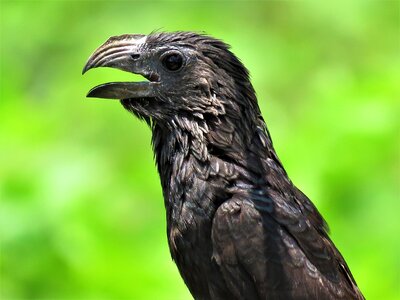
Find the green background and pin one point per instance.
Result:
(82, 213)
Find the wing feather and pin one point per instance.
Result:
(278, 253)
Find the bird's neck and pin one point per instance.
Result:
(179, 144)
(193, 152)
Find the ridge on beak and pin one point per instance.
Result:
(125, 53)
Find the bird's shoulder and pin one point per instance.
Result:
(274, 242)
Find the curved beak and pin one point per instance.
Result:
(127, 53)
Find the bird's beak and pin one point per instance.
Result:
(126, 53)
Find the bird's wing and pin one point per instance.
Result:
(271, 249)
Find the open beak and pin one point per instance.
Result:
(127, 53)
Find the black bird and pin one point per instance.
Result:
(237, 226)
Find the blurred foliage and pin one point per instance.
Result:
(82, 213)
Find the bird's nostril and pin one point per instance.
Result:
(135, 56)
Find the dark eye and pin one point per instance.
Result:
(173, 61)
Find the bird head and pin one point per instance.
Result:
(187, 74)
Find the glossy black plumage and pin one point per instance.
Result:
(237, 226)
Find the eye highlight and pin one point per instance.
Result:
(172, 61)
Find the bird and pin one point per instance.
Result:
(237, 227)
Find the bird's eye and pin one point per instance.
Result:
(173, 61)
